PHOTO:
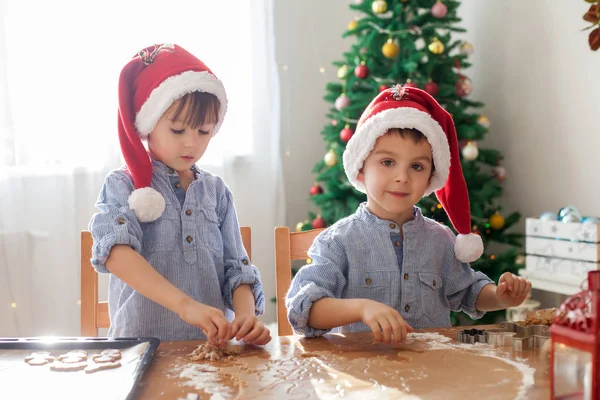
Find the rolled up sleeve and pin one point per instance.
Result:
(238, 268)
(324, 277)
(115, 223)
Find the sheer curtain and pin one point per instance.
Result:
(59, 66)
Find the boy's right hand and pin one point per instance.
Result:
(211, 320)
(387, 324)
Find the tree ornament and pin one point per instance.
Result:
(432, 88)
(436, 47)
(342, 72)
(342, 102)
(499, 172)
(346, 134)
(390, 49)
(361, 71)
(299, 226)
(318, 223)
(353, 24)
(497, 221)
(483, 121)
(334, 122)
(410, 83)
(330, 158)
(463, 87)
(382, 88)
(379, 6)
(315, 190)
(470, 151)
(466, 49)
(439, 9)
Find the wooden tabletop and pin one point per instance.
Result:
(304, 374)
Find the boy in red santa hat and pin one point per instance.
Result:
(167, 231)
(386, 268)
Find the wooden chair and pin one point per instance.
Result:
(94, 314)
(288, 247)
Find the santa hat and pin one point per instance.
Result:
(409, 107)
(149, 84)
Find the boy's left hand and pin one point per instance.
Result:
(512, 289)
(250, 329)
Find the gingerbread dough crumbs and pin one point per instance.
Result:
(209, 351)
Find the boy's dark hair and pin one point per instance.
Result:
(413, 134)
(199, 107)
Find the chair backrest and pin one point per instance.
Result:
(288, 247)
(94, 314)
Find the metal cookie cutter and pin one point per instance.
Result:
(519, 337)
(471, 336)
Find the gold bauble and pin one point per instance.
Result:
(330, 158)
(352, 25)
(342, 71)
(379, 6)
(497, 221)
(436, 47)
(299, 226)
(390, 49)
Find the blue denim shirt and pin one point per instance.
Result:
(196, 245)
(363, 256)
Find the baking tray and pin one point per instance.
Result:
(509, 334)
(57, 344)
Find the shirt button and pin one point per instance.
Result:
(398, 243)
(392, 226)
(406, 308)
(121, 220)
(188, 212)
(405, 276)
(368, 281)
(434, 283)
(178, 185)
(189, 239)
(245, 262)
(171, 171)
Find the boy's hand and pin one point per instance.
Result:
(249, 329)
(211, 320)
(512, 290)
(387, 324)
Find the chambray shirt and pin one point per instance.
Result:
(196, 245)
(363, 256)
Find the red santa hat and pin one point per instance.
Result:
(149, 84)
(409, 107)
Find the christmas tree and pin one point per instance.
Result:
(410, 42)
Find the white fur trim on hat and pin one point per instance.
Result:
(174, 88)
(147, 204)
(468, 248)
(363, 141)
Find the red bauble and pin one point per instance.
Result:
(334, 122)
(316, 189)
(432, 88)
(382, 88)
(361, 71)
(410, 84)
(346, 134)
(463, 87)
(318, 222)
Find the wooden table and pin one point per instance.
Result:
(162, 380)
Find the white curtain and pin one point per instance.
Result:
(59, 66)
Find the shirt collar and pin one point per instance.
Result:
(387, 225)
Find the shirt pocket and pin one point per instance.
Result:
(430, 285)
(373, 285)
(211, 232)
(162, 234)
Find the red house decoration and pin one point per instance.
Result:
(575, 352)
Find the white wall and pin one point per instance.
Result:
(533, 69)
(308, 37)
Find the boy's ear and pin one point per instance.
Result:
(361, 177)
